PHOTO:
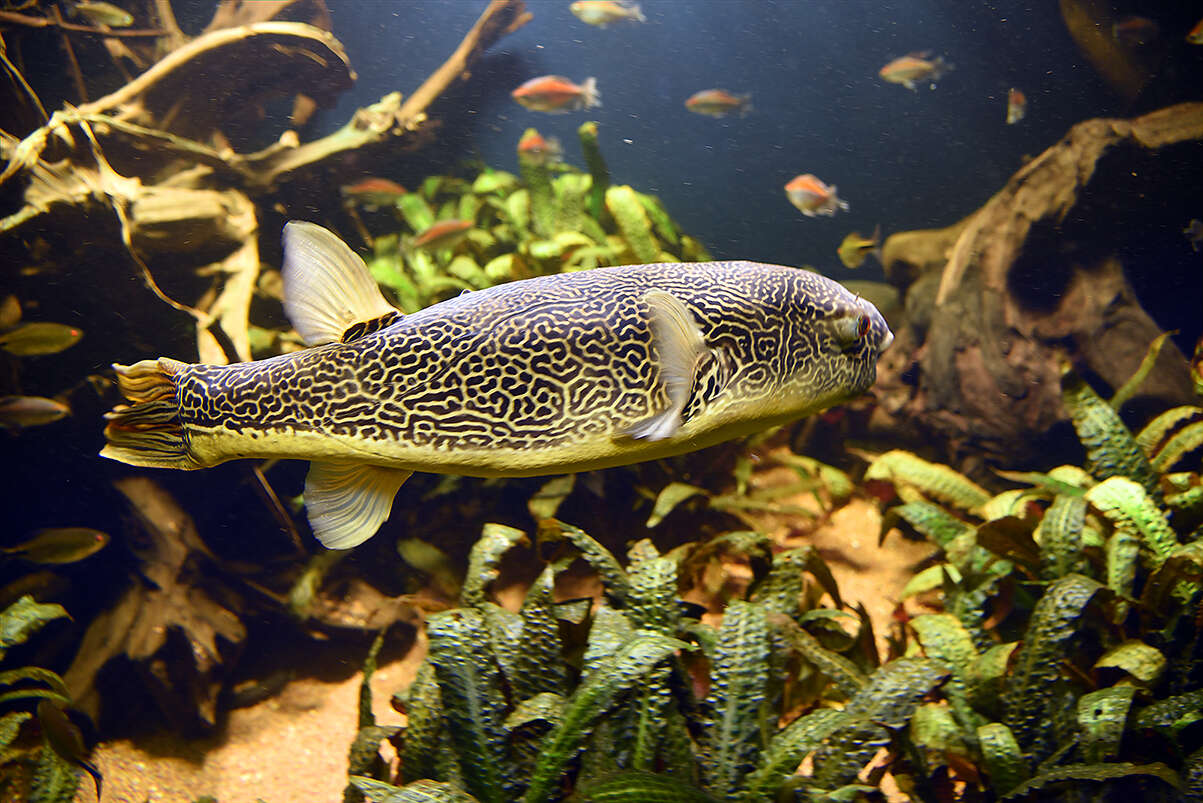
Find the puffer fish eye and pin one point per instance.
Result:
(850, 329)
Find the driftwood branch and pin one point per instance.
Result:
(995, 303)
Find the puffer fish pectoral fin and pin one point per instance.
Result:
(681, 348)
(327, 287)
(348, 501)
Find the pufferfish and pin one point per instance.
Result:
(549, 375)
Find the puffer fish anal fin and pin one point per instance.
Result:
(327, 287)
(348, 501)
(681, 348)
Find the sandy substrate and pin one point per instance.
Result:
(292, 748)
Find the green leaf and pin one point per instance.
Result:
(931, 479)
(593, 697)
(934, 729)
(539, 665)
(1060, 537)
(1129, 388)
(549, 497)
(1102, 715)
(1184, 441)
(609, 630)
(781, 589)
(494, 181)
(423, 791)
(1037, 667)
(1011, 539)
(652, 600)
(495, 540)
(738, 681)
(665, 228)
(623, 203)
(1144, 663)
(543, 707)
(470, 685)
(930, 579)
(1130, 509)
(1047, 482)
(417, 213)
(895, 690)
(425, 737)
(1091, 772)
(669, 497)
(1110, 448)
(613, 576)
(985, 677)
(1004, 760)
(37, 675)
(946, 640)
(846, 675)
(788, 747)
(1157, 430)
(24, 618)
(1171, 715)
(635, 786)
(929, 520)
(10, 726)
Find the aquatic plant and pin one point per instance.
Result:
(551, 219)
(1065, 661)
(36, 763)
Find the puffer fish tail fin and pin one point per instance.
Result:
(327, 287)
(148, 431)
(346, 501)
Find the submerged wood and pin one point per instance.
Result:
(977, 367)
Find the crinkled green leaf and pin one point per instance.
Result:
(1037, 666)
(613, 576)
(669, 497)
(1129, 388)
(55, 780)
(1102, 715)
(738, 680)
(1075, 773)
(1176, 581)
(895, 689)
(425, 739)
(781, 589)
(934, 729)
(788, 747)
(985, 677)
(470, 684)
(417, 213)
(842, 671)
(549, 497)
(424, 791)
(930, 579)
(1009, 503)
(931, 479)
(539, 666)
(636, 786)
(623, 204)
(946, 640)
(1060, 537)
(929, 520)
(24, 618)
(1182, 442)
(543, 707)
(1170, 715)
(1110, 448)
(1050, 482)
(1157, 430)
(1004, 760)
(10, 726)
(494, 181)
(652, 599)
(495, 540)
(1144, 663)
(596, 693)
(504, 628)
(37, 675)
(1130, 509)
(1010, 538)
(609, 631)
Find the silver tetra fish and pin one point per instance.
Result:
(549, 375)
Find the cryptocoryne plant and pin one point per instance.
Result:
(1065, 663)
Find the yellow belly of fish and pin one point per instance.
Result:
(210, 447)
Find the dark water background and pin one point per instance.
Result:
(902, 159)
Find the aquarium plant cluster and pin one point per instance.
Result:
(1064, 659)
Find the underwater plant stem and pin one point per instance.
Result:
(26, 21)
(76, 75)
(20, 79)
(272, 499)
(171, 28)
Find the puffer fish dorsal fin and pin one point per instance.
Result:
(681, 348)
(347, 501)
(327, 287)
(365, 328)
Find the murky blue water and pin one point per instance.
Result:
(900, 158)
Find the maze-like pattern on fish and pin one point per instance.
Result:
(548, 361)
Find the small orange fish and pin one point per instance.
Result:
(913, 68)
(602, 12)
(372, 192)
(1017, 105)
(537, 150)
(813, 197)
(443, 234)
(556, 94)
(1195, 37)
(1134, 31)
(718, 103)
